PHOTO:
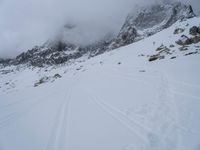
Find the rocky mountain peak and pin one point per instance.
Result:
(150, 20)
(161, 14)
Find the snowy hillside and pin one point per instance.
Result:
(120, 100)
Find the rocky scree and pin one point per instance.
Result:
(184, 42)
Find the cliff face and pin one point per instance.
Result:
(150, 21)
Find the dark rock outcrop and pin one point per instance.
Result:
(195, 30)
(150, 21)
(58, 53)
(49, 55)
(184, 40)
(161, 52)
(178, 31)
(5, 62)
(195, 38)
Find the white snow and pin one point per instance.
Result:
(115, 101)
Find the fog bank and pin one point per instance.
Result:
(26, 23)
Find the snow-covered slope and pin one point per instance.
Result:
(116, 101)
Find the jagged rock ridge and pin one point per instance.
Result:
(150, 21)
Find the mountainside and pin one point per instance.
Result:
(151, 20)
(148, 21)
(144, 96)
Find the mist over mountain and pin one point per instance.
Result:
(26, 23)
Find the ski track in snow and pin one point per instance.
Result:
(164, 137)
(166, 90)
(59, 130)
(167, 136)
(135, 128)
(185, 84)
(186, 95)
(23, 107)
(57, 139)
(133, 77)
(152, 139)
(148, 137)
(148, 76)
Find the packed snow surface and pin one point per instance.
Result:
(115, 101)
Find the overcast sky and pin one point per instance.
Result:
(26, 23)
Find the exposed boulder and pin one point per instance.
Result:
(161, 48)
(41, 81)
(161, 52)
(173, 57)
(57, 76)
(46, 79)
(195, 38)
(191, 53)
(183, 48)
(178, 31)
(154, 57)
(184, 40)
(195, 30)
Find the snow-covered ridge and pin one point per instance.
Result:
(136, 27)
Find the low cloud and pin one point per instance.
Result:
(26, 23)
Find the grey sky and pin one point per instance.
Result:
(25, 23)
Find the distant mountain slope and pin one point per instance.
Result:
(147, 22)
